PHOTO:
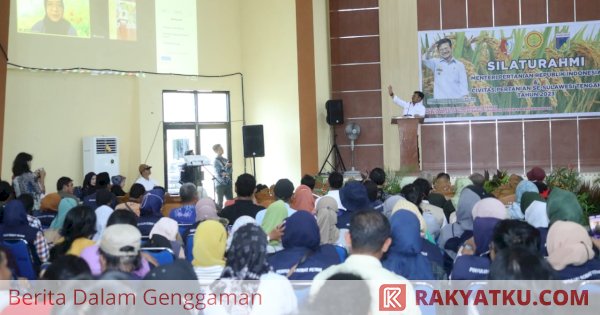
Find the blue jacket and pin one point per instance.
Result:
(588, 271)
(468, 267)
(301, 249)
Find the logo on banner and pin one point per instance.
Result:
(392, 297)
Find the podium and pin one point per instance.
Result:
(191, 174)
(408, 130)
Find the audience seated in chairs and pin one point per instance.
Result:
(165, 233)
(102, 183)
(210, 240)
(48, 209)
(136, 193)
(150, 210)
(302, 256)
(120, 249)
(245, 186)
(92, 257)
(404, 256)
(186, 214)
(369, 239)
(16, 226)
(76, 232)
(247, 261)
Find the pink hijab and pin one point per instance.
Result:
(206, 209)
(303, 199)
(166, 227)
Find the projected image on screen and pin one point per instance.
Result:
(122, 19)
(54, 17)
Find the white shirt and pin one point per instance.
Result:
(277, 295)
(206, 275)
(147, 183)
(335, 194)
(368, 268)
(450, 78)
(102, 214)
(410, 108)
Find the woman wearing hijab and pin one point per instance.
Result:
(205, 209)
(327, 209)
(563, 205)
(354, 198)
(490, 208)
(64, 206)
(166, 231)
(210, 240)
(404, 256)
(303, 199)
(460, 184)
(302, 256)
(523, 187)
(150, 210)
(389, 203)
(15, 224)
(48, 209)
(54, 21)
(453, 235)
(241, 221)
(534, 207)
(247, 271)
(89, 185)
(275, 215)
(404, 204)
(473, 263)
(571, 253)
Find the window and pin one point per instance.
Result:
(194, 121)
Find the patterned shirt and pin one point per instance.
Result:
(222, 172)
(41, 247)
(34, 222)
(186, 214)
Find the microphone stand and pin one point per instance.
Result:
(214, 179)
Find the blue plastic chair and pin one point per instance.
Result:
(342, 253)
(184, 227)
(163, 255)
(189, 248)
(22, 255)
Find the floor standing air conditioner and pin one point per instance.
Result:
(101, 154)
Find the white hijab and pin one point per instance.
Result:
(536, 214)
(241, 221)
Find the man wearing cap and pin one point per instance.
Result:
(120, 248)
(145, 177)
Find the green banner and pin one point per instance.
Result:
(517, 71)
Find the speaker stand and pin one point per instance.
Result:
(254, 166)
(338, 163)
